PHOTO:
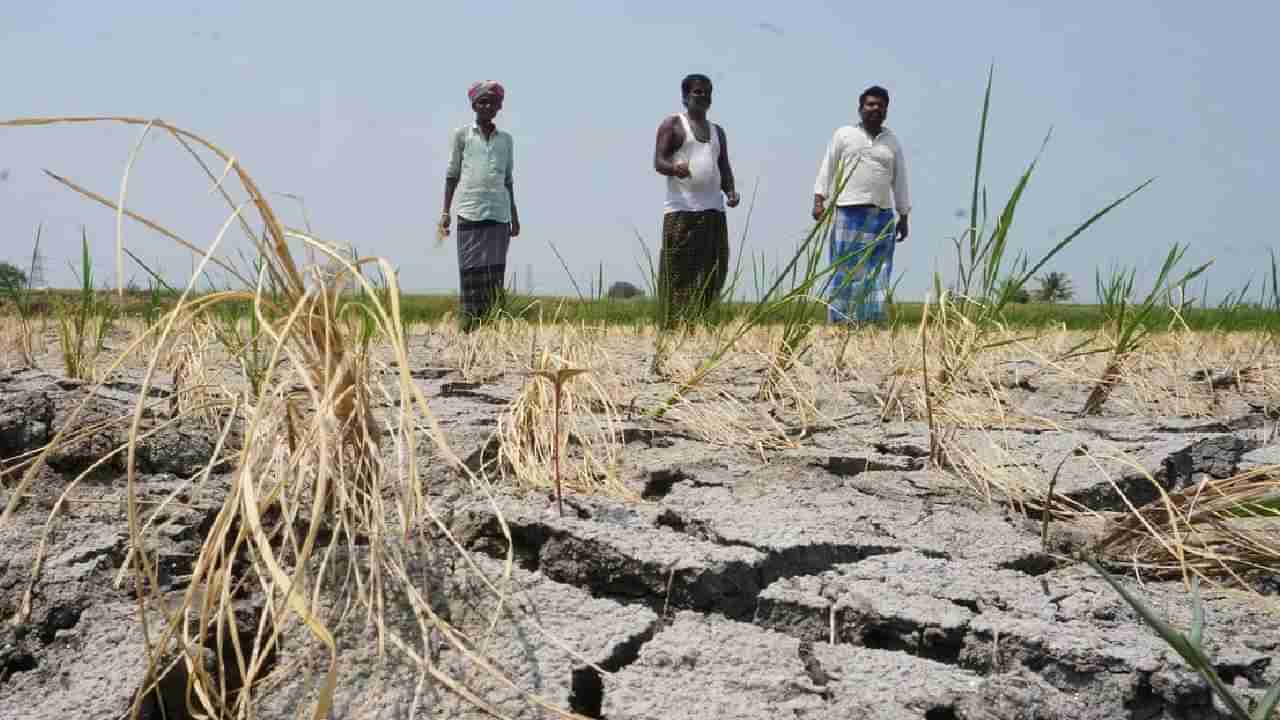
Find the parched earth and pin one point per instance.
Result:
(839, 577)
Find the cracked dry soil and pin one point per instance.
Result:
(838, 577)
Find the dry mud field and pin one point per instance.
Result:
(783, 549)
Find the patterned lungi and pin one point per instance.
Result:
(861, 247)
(693, 265)
(482, 267)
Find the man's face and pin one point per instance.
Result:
(873, 111)
(699, 96)
(486, 106)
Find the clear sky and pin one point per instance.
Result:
(350, 105)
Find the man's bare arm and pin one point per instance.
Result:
(726, 170)
(515, 214)
(450, 185)
(670, 138)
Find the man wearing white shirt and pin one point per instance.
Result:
(865, 164)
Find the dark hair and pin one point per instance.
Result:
(687, 83)
(874, 91)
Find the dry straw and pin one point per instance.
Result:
(288, 507)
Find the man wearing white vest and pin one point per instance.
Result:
(693, 154)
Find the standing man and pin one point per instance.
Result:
(693, 153)
(480, 173)
(868, 160)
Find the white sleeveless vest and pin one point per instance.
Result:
(701, 190)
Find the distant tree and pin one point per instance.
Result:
(1020, 296)
(623, 290)
(11, 278)
(1054, 287)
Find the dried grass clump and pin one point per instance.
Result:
(745, 398)
(722, 418)
(1200, 374)
(20, 342)
(1222, 529)
(1216, 528)
(679, 355)
(791, 389)
(201, 389)
(564, 427)
(316, 471)
(481, 355)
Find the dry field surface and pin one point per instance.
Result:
(781, 542)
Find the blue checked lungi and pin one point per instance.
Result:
(861, 247)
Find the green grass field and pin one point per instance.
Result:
(430, 308)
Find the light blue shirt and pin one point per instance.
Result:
(484, 171)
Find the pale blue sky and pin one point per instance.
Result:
(350, 105)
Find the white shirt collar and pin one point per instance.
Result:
(884, 130)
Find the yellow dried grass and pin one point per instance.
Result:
(334, 478)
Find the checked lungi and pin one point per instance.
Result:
(861, 247)
(694, 264)
(482, 267)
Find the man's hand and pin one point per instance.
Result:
(515, 227)
(445, 219)
(903, 230)
(680, 169)
(732, 199)
(819, 207)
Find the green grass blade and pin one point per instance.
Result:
(1190, 652)
(1275, 283)
(1166, 632)
(154, 275)
(86, 266)
(977, 167)
(731, 287)
(1267, 707)
(35, 254)
(994, 256)
(1196, 634)
(1085, 226)
(1267, 506)
(651, 277)
(563, 264)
